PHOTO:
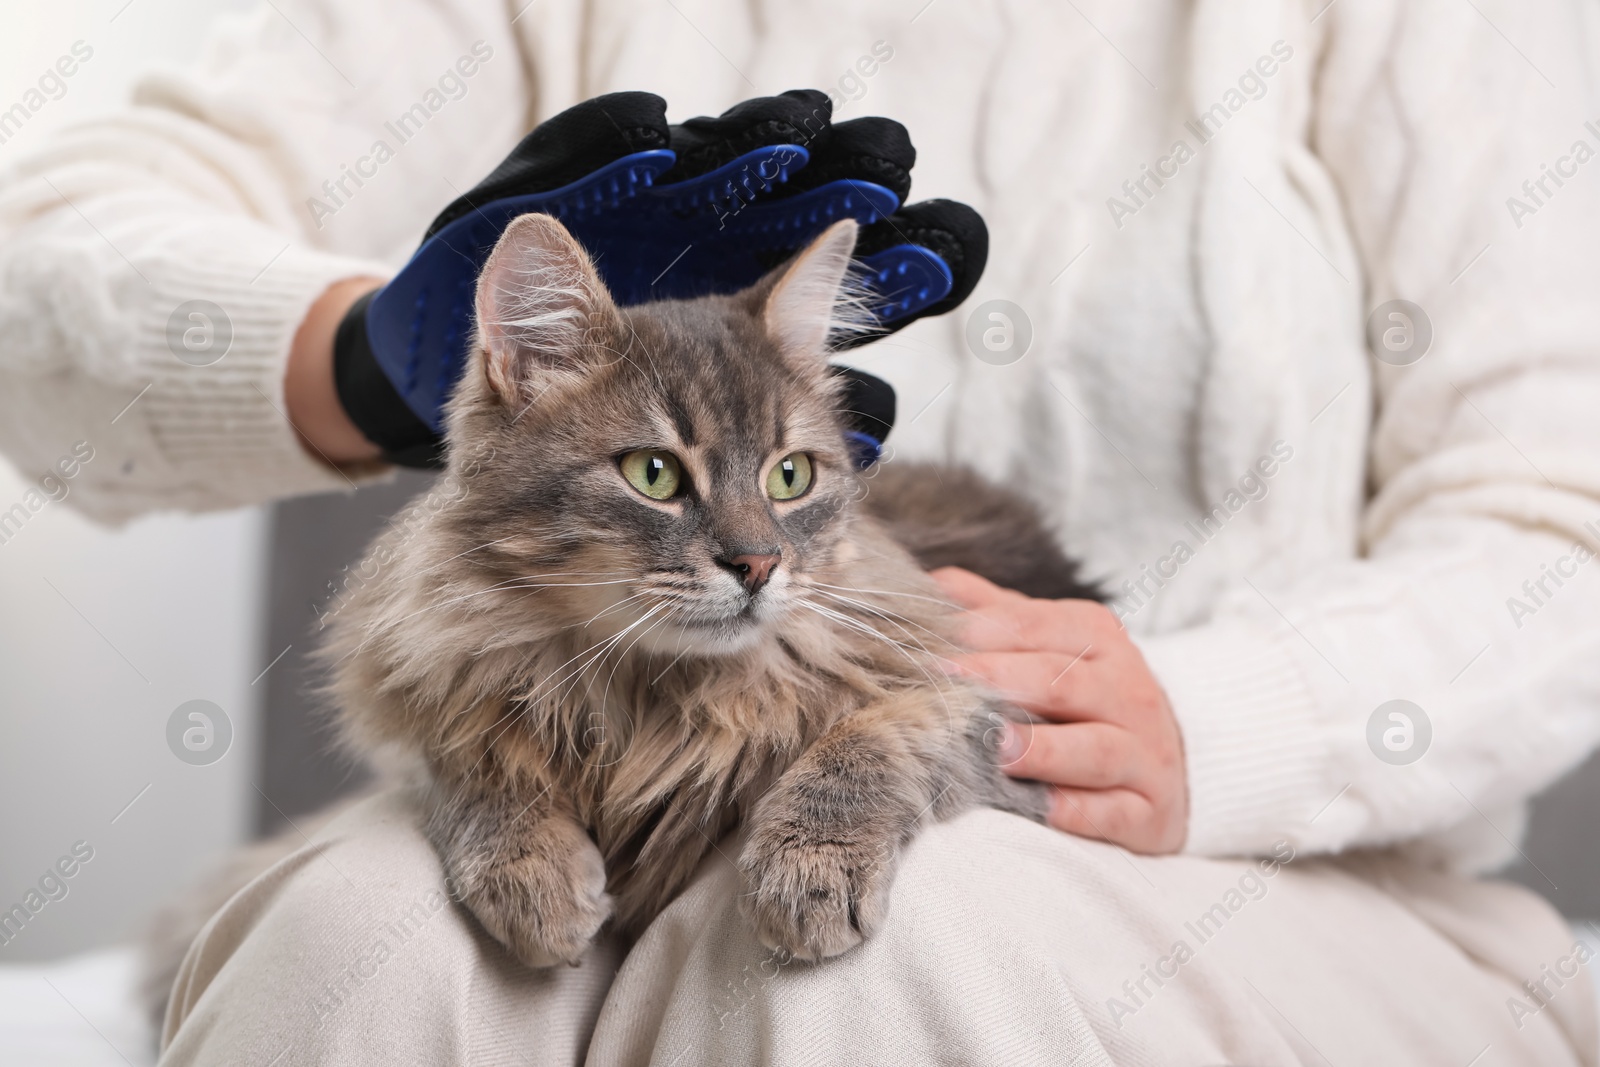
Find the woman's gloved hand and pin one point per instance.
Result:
(708, 206)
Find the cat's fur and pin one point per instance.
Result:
(592, 700)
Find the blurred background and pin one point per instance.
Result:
(104, 633)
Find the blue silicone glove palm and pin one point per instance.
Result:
(708, 206)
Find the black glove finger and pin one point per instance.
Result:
(869, 403)
(870, 149)
(799, 116)
(562, 149)
(951, 230)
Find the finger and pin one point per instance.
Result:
(868, 403)
(567, 146)
(1120, 816)
(970, 590)
(1022, 624)
(925, 259)
(1080, 755)
(703, 144)
(949, 229)
(1051, 684)
(870, 149)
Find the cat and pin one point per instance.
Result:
(653, 599)
(660, 601)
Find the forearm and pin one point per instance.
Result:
(202, 192)
(159, 332)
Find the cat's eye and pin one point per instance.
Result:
(657, 475)
(790, 477)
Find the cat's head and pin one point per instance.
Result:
(674, 473)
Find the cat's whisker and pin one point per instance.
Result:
(895, 619)
(663, 620)
(524, 705)
(866, 605)
(556, 585)
(598, 650)
(517, 711)
(624, 602)
(900, 622)
(884, 592)
(655, 369)
(513, 584)
(935, 684)
(853, 561)
(664, 615)
(617, 638)
(854, 624)
(490, 645)
(522, 582)
(675, 661)
(555, 675)
(476, 548)
(863, 627)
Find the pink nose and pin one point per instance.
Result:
(752, 570)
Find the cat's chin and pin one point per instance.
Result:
(723, 637)
(725, 623)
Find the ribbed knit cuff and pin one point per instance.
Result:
(215, 408)
(1256, 762)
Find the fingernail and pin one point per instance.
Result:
(952, 668)
(1011, 744)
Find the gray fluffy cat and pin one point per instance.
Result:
(658, 601)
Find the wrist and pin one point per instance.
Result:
(372, 400)
(310, 395)
(1257, 759)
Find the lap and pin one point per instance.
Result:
(1005, 943)
(1010, 943)
(350, 952)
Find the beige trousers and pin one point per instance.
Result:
(1006, 943)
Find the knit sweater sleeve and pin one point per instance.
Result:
(1474, 595)
(155, 263)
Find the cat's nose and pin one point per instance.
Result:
(752, 569)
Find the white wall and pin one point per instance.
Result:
(104, 633)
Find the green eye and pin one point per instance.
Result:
(790, 478)
(655, 474)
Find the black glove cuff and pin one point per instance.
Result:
(372, 402)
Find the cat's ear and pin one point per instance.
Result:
(541, 305)
(813, 294)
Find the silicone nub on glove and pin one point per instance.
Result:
(716, 229)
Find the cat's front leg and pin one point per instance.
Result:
(523, 864)
(825, 841)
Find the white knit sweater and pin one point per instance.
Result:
(1197, 313)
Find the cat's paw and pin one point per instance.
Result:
(812, 897)
(545, 908)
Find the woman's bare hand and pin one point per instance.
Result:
(1110, 748)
